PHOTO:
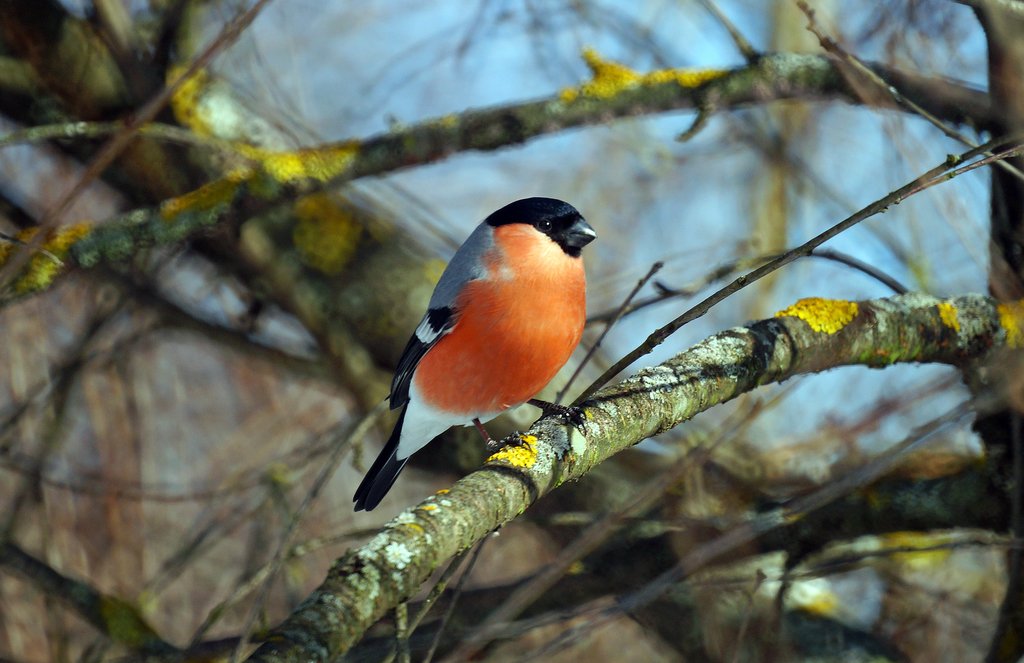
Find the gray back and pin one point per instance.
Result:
(466, 265)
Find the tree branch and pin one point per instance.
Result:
(625, 94)
(812, 335)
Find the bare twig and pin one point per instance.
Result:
(749, 53)
(666, 292)
(861, 266)
(402, 632)
(341, 446)
(33, 473)
(455, 598)
(887, 88)
(600, 613)
(942, 173)
(611, 323)
(435, 593)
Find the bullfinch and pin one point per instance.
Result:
(504, 318)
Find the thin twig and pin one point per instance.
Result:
(280, 555)
(455, 599)
(748, 610)
(749, 53)
(599, 613)
(33, 474)
(831, 46)
(439, 587)
(402, 632)
(941, 173)
(861, 266)
(607, 328)
(666, 292)
(435, 593)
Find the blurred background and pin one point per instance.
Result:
(163, 421)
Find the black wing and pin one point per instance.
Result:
(436, 323)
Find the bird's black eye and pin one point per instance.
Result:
(544, 225)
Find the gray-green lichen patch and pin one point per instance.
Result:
(397, 555)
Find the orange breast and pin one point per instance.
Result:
(515, 329)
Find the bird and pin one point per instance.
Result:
(505, 316)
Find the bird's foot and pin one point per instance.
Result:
(515, 439)
(571, 414)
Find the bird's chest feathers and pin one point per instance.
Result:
(515, 327)
(534, 282)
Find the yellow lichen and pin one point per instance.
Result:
(610, 78)
(922, 559)
(816, 600)
(316, 163)
(428, 507)
(206, 197)
(48, 260)
(947, 313)
(822, 315)
(325, 234)
(186, 99)
(443, 491)
(1011, 317)
(523, 455)
(279, 474)
(688, 78)
(124, 624)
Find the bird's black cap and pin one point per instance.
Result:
(555, 218)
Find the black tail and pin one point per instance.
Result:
(382, 474)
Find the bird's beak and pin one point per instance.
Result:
(579, 234)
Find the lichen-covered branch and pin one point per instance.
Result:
(272, 177)
(812, 335)
(614, 92)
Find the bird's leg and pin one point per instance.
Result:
(483, 432)
(515, 438)
(492, 444)
(572, 415)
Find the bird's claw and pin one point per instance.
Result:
(574, 415)
(569, 413)
(513, 439)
